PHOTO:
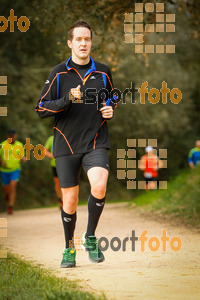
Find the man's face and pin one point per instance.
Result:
(13, 137)
(198, 144)
(80, 44)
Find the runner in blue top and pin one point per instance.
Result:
(194, 155)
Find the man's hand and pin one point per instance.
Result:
(48, 153)
(107, 112)
(191, 165)
(3, 163)
(76, 92)
(24, 159)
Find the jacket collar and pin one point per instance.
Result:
(92, 68)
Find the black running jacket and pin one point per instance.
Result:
(78, 127)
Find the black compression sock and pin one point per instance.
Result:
(95, 208)
(69, 222)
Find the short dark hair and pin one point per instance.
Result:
(11, 131)
(79, 23)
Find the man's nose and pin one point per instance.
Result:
(83, 42)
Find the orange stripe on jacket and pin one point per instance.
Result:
(107, 76)
(65, 139)
(77, 73)
(97, 134)
(43, 108)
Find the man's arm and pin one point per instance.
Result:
(113, 99)
(190, 160)
(48, 153)
(2, 163)
(48, 147)
(49, 105)
(24, 159)
(108, 108)
(142, 163)
(191, 165)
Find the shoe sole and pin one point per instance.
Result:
(69, 266)
(84, 248)
(93, 261)
(96, 262)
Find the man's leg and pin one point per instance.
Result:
(152, 184)
(57, 188)
(68, 213)
(67, 168)
(58, 191)
(12, 195)
(98, 178)
(5, 178)
(6, 190)
(68, 172)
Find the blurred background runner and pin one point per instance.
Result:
(10, 167)
(194, 155)
(49, 153)
(149, 164)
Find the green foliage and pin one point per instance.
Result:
(181, 199)
(21, 281)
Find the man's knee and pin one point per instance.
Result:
(70, 201)
(70, 204)
(98, 189)
(13, 186)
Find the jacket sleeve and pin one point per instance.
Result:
(48, 104)
(112, 101)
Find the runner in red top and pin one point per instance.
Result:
(149, 164)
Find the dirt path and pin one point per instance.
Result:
(37, 235)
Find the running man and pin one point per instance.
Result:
(10, 167)
(49, 153)
(194, 155)
(75, 94)
(149, 164)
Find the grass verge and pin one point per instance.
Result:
(181, 199)
(20, 280)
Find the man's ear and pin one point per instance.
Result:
(69, 43)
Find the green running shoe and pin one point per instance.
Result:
(90, 244)
(68, 260)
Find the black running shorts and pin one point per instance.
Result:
(54, 172)
(68, 166)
